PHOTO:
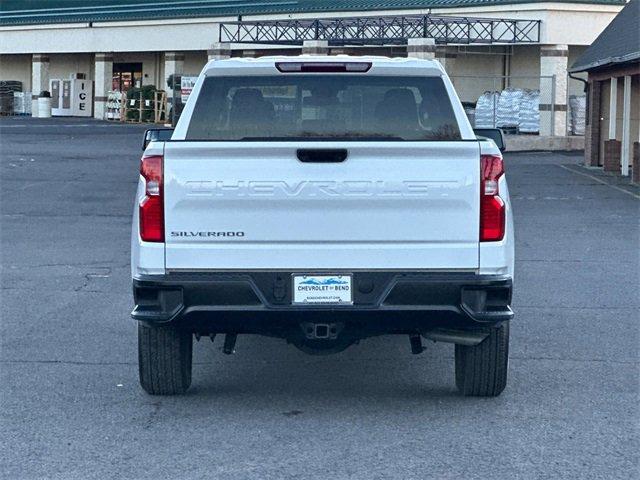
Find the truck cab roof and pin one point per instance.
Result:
(378, 64)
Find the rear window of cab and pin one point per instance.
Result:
(344, 107)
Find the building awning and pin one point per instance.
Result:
(383, 30)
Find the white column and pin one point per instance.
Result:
(315, 47)
(554, 63)
(613, 108)
(626, 127)
(173, 65)
(104, 79)
(447, 57)
(423, 48)
(39, 79)
(219, 51)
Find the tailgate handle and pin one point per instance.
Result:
(322, 155)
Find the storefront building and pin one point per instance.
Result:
(133, 43)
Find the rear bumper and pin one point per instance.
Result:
(256, 302)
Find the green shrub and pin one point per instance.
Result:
(133, 103)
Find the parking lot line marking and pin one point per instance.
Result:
(615, 187)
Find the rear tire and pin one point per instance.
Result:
(164, 359)
(481, 370)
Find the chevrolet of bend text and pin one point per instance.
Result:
(323, 200)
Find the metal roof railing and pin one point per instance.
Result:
(392, 30)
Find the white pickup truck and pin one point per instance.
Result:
(323, 200)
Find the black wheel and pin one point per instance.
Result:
(164, 359)
(481, 370)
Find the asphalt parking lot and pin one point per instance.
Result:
(70, 403)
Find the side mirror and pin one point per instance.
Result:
(156, 135)
(494, 134)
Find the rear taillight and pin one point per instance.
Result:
(151, 209)
(492, 214)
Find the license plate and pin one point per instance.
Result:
(322, 289)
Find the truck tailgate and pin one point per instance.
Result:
(255, 205)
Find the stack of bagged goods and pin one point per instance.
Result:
(7, 89)
(508, 113)
(486, 108)
(22, 103)
(530, 112)
(578, 106)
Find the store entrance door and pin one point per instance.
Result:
(126, 76)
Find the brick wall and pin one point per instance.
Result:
(612, 151)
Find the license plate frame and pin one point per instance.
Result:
(322, 289)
